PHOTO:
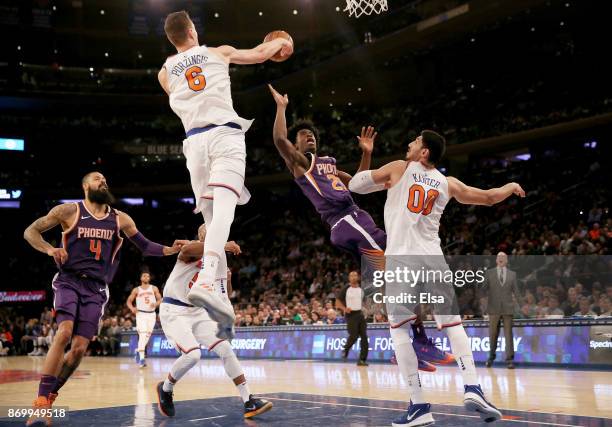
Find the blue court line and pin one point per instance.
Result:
(295, 409)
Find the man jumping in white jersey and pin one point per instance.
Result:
(416, 197)
(198, 83)
(189, 328)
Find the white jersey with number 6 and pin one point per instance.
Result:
(200, 89)
(413, 209)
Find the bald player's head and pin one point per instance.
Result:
(96, 189)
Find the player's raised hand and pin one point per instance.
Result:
(366, 140)
(281, 100)
(59, 255)
(233, 248)
(518, 190)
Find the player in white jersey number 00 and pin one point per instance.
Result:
(416, 196)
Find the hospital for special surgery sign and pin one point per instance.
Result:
(22, 296)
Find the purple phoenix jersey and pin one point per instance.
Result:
(324, 189)
(92, 245)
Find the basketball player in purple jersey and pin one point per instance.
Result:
(87, 261)
(352, 229)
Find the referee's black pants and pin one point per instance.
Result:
(357, 328)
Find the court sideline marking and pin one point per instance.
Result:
(402, 410)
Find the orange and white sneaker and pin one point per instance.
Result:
(40, 420)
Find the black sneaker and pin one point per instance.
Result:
(164, 400)
(362, 363)
(256, 406)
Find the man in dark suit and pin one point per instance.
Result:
(501, 286)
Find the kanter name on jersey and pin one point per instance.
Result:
(422, 179)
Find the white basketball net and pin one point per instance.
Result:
(357, 8)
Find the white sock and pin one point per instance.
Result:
(244, 391)
(210, 263)
(407, 362)
(142, 355)
(217, 232)
(168, 386)
(460, 345)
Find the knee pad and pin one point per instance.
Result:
(223, 349)
(459, 341)
(193, 356)
(230, 361)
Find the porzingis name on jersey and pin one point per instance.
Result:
(422, 179)
(179, 69)
(95, 233)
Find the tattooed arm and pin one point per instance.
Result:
(59, 215)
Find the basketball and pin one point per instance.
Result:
(274, 35)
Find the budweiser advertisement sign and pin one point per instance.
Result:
(22, 296)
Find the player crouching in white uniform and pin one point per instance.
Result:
(416, 197)
(189, 328)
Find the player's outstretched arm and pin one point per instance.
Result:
(63, 213)
(366, 143)
(285, 148)
(476, 196)
(195, 250)
(385, 177)
(162, 76)
(147, 247)
(258, 54)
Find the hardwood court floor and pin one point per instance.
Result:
(114, 382)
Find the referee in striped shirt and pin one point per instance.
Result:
(349, 301)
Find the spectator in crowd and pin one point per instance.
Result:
(605, 306)
(316, 320)
(570, 305)
(110, 345)
(46, 318)
(43, 341)
(6, 340)
(31, 334)
(585, 308)
(333, 318)
(529, 309)
(127, 325)
(552, 311)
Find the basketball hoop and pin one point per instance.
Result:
(357, 8)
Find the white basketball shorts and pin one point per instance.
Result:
(216, 158)
(188, 327)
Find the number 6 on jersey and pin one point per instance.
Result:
(195, 78)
